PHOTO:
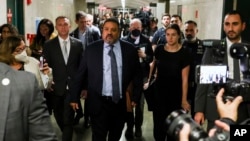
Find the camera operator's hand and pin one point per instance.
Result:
(228, 109)
(185, 131)
(219, 124)
(199, 118)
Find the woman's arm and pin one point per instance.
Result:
(185, 72)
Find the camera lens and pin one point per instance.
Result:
(175, 122)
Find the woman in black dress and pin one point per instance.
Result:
(172, 64)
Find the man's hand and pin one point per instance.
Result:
(74, 106)
(228, 109)
(199, 117)
(221, 125)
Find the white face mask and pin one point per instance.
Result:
(23, 57)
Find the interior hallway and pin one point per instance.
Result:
(83, 134)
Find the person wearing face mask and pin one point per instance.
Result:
(193, 44)
(14, 48)
(145, 53)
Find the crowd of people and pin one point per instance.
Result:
(116, 64)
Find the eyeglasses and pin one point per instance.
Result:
(20, 49)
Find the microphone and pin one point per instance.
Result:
(240, 50)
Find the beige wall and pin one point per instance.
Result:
(3, 12)
(51, 9)
(209, 14)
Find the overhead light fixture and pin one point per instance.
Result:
(172, 1)
(123, 3)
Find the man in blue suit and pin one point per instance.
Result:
(95, 75)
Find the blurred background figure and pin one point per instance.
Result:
(153, 27)
(45, 31)
(94, 28)
(7, 30)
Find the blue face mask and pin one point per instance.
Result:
(135, 32)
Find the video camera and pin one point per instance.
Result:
(217, 73)
(176, 120)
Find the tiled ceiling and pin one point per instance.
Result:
(128, 3)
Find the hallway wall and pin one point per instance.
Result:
(3, 12)
(207, 14)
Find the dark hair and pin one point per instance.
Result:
(175, 15)
(235, 12)
(12, 28)
(80, 14)
(113, 20)
(165, 14)
(191, 22)
(8, 46)
(39, 39)
(176, 28)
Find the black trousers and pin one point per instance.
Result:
(136, 118)
(110, 121)
(64, 115)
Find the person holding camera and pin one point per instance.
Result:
(228, 112)
(205, 107)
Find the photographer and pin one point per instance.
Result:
(227, 110)
(205, 107)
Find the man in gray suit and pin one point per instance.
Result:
(205, 106)
(24, 115)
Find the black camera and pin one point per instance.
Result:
(217, 73)
(176, 120)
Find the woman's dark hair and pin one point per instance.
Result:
(176, 28)
(12, 28)
(39, 39)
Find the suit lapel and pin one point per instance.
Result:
(5, 83)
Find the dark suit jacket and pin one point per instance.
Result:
(62, 74)
(144, 42)
(90, 75)
(24, 115)
(91, 35)
(207, 105)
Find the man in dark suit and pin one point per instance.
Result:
(63, 54)
(205, 106)
(24, 114)
(96, 74)
(87, 35)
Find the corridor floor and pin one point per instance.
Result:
(83, 134)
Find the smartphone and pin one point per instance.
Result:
(41, 60)
(211, 74)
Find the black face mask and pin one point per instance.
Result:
(189, 37)
(136, 32)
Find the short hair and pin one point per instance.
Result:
(165, 15)
(80, 14)
(175, 15)
(191, 22)
(62, 17)
(235, 12)
(113, 20)
(134, 21)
